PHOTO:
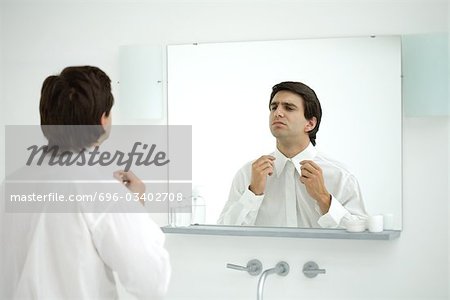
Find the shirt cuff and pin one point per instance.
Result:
(251, 201)
(333, 217)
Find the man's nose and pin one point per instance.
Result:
(279, 112)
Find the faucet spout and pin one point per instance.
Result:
(282, 269)
(262, 281)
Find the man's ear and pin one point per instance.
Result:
(104, 119)
(311, 124)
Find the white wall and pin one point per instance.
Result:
(2, 133)
(448, 153)
(38, 38)
(448, 195)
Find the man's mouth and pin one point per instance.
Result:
(278, 123)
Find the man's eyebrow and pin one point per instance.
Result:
(289, 104)
(285, 103)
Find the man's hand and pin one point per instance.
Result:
(261, 167)
(312, 178)
(132, 182)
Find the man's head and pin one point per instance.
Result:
(78, 96)
(295, 111)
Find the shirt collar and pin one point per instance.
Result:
(280, 160)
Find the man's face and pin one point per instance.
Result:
(287, 119)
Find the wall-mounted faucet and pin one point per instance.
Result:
(282, 269)
(254, 268)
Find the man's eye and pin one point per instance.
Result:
(289, 108)
(273, 107)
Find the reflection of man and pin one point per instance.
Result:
(73, 255)
(295, 186)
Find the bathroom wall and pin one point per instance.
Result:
(41, 37)
(448, 155)
(2, 137)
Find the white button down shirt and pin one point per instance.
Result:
(73, 255)
(286, 203)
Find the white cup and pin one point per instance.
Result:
(375, 223)
(388, 221)
(355, 225)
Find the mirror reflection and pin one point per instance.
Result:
(294, 186)
(273, 157)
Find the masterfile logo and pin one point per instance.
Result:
(54, 169)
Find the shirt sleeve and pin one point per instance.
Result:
(132, 245)
(242, 205)
(346, 205)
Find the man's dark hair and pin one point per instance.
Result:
(78, 96)
(311, 103)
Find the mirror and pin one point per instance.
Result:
(223, 91)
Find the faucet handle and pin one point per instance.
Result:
(311, 269)
(282, 268)
(254, 267)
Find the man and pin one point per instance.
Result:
(73, 255)
(295, 186)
